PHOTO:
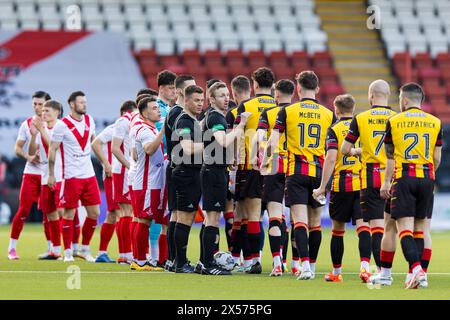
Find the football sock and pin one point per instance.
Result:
(119, 237)
(209, 241)
(133, 238)
(202, 248)
(236, 241)
(88, 230)
(262, 236)
(67, 233)
(228, 217)
(315, 238)
(47, 231)
(12, 244)
(181, 242)
(284, 241)
(55, 232)
(425, 259)
(364, 246)
(377, 236)
(254, 238)
(76, 231)
(163, 249)
(155, 231)
(275, 240)
(337, 249)
(301, 241)
(294, 251)
(386, 259)
(171, 240)
(142, 241)
(420, 243)
(410, 250)
(106, 233)
(217, 242)
(245, 242)
(126, 234)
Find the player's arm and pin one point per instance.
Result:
(329, 164)
(54, 147)
(20, 143)
(437, 150)
(227, 139)
(33, 147)
(185, 129)
(151, 147)
(120, 130)
(347, 148)
(385, 191)
(98, 151)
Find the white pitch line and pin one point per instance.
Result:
(155, 273)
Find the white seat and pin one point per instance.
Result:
(138, 27)
(7, 10)
(272, 45)
(228, 42)
(290, 47)
(142, 44)
(313, 47)
(435, 49)
(165, 47)
(208, 44)
(30, 25)
(224, 28)
(186, 44)
(250, 45)
(160, 28)
(49, 24)
(287, 30)
(417, 48)
(267, 28)
(247, 27)
(95, 25)
(9, 24)
(116, 26)
(396, 48)
(197, 10)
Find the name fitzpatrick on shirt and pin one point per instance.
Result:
(415, 124)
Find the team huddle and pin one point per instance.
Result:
(167, 163)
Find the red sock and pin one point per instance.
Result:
(55, 232)
(88, 230)
(126, 233)
(133, 230)
(17, 226)
(106, 234)
(163, 249)
(67, 233)
(47, 231)
(76, 228)
(119, 235)
(142, 233)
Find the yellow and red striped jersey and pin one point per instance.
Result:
(267, 122)
(306, 124)
(414, 134)
(370, 128)
(347, 168)
(255, 106)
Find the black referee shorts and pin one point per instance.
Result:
(214, 182)
(412, 197)
(171, 194)
(345, 206)
(186, 180)
(249, 184)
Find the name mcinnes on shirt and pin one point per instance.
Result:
(377, 121)
(415, 124)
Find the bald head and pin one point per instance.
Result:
(379, 92)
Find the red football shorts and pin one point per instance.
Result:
(118, 183)
(110, 203)
(84, 190)
(50, 198)
(147, 205)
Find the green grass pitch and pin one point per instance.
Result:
(29, 278)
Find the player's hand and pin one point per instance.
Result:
(385, 190)
(51, 181)
(38, 124)
(33, 130)
(35, 159)
(108, 170)
(244, 118)
(318, 192)
(356, 152)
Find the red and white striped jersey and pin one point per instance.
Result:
(43, 153)
(136, 121)
(75, 137)
(149, 169)
(25, 135)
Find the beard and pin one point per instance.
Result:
(80, 111)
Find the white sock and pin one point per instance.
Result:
(365, 265)
(122, 255)
(277, 261)
(259, 257)
(285, 265)
(57, 250)
(68, 252)
(75, 246)
(295, 264)
(101, 252)
(248, 263)
(386, 272)
(306, 266)
(12, 244)
(141, 262)
(337, 271)
(313, 267)
(128, 256)
(49, 246)
(154, 252)
(85, 248)
(236, 260)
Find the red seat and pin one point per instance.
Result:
(169, 61)
(192, 59)
(256, 59)
(213, 58)
(423, 60)
(148, 68)
(443, 60)
(321, 60)
(300, 61)
(279, 60)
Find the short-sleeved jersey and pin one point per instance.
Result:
(414, 134)
(75, 138)
(347, 168)
(267, 122)
(149, 168)
(165, 109)
(136, 121)
(186, 128)
(213, 153)
(121, 131)
(169, 128)
(25, 135)
(370, 127)
(305, 124)
(255, 106)
(43, 155)
(231, 117)
(106, 138)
